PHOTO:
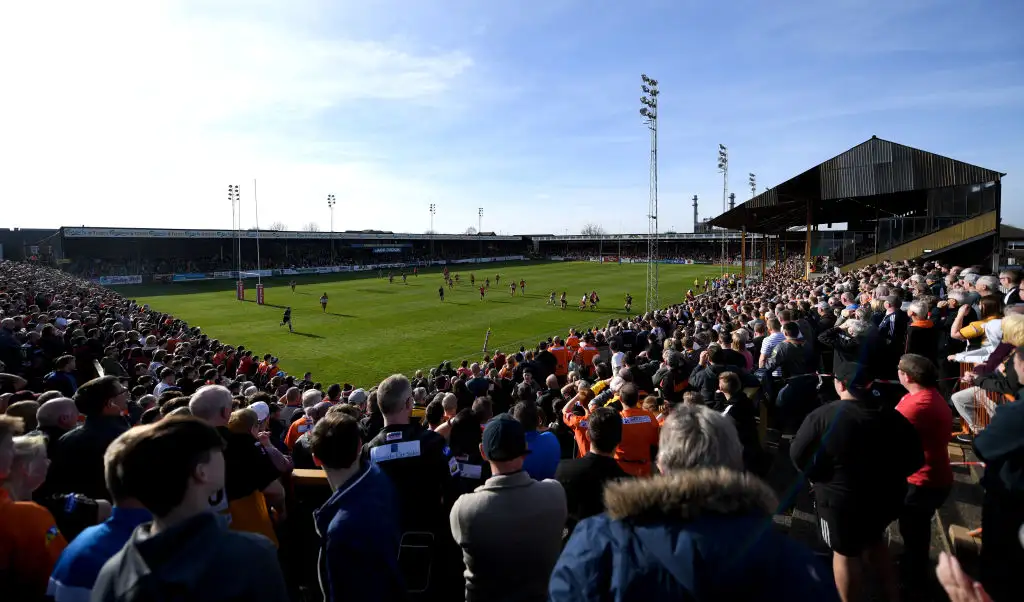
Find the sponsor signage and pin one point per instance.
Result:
(252, 234)
(387, 249)
(190, 277)
(119, 280)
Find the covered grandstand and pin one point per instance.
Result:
(897, 202)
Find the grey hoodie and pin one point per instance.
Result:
(198, 560)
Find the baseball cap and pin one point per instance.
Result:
(357, 397)
(262, 410)
(504, 439)
(852, 376)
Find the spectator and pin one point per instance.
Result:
(922, 336)
(62, 378)
(26, 410)
(79, 566)
(55, 418)
(929, 487)
(859, 486)
(30, 542)
(358, 525)
(422, 468)
(166, 383)
(639, 445)
(509, 529)
(545, 451)
(703, 534)
(1009, 281)
(251, 479)
(1001, 447)
(174, 467)
(738, 407)
(78, 456)
(584, 479)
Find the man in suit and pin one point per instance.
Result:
(584, 479)
(893, 331)
(1009, 280)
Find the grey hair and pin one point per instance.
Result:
(971, 278)
(419, 393)
(393, 393)
(450, 402)
(695, 436)
(209, 402)
(959, 296)
(919, 309)
(858, 328)
(989, 282)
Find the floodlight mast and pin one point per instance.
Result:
(723, 167)
(331, 202)
(649, 111)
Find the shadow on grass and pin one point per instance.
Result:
(340, 315)
(307, 335)
(266, 304)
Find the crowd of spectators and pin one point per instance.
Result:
(140, 459)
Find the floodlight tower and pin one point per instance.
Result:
(649, 111)
(433, 210)
(694, 213)
(331, 202)
(723, 167)
(752, 180)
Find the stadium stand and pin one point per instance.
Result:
(724, 408)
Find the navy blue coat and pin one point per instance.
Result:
(696, 535)
(359, 540)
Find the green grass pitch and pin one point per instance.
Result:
(373, 328)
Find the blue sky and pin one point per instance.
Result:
(121, 113)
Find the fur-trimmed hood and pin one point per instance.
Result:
(690, 494)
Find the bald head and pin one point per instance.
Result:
(59, 413)
(551, 381)
(212, 404)
(293, 395)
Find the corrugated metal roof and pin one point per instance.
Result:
(874, 167)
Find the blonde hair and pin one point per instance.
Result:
(27, 448)
(1013, 329)
(243, 421)
(10, 426)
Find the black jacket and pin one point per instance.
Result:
(420, 464)
(744, 416)
(705, 379)
(199, 560)
(792, 358)
(923, 340)
(851, 350)
(583, 480)
(77, 462)
(837, 449)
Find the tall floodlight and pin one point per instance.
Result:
(649, 111)
(752, 180)
(694, 213)
(732, 201)
(723, 167)
(433, 210)
(236, 221)
(479, 220)
(331, 202)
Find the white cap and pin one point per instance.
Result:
(357, 397)
(250, 390)
(262, 410)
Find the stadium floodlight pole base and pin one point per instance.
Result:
(259, 294)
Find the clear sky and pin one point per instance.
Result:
(141, 112)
